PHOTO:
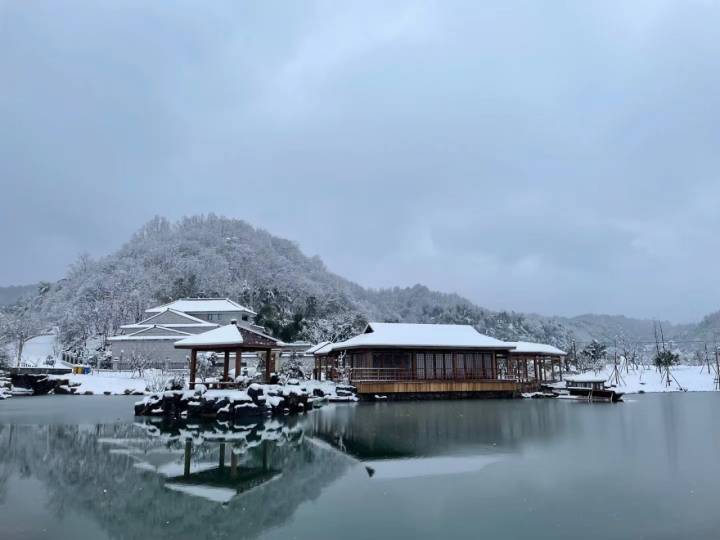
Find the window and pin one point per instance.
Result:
(460, 366)
(420, 366)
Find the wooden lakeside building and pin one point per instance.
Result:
(535, 362)
(405, 360)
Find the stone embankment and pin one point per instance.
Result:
(234, 405)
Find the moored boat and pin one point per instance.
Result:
(593, 389)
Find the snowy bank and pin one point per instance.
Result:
(107, 383)
(648, 379)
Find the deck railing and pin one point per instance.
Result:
(404, 374)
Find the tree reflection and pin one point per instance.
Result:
(126, 477)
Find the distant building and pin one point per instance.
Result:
(215, 310)
(153, 338)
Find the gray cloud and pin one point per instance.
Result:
(539, 157)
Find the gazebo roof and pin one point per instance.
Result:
(230, 336)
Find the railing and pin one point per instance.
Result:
(404, 374)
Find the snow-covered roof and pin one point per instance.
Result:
(202, 305)
(139, 326)
(421, 335)
(142, 334)
(227, 335)
(316, 348)
(526, 347)
(192, 321)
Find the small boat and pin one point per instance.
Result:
(593, 389)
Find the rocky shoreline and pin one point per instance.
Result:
(233, 405)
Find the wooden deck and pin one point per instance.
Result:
(435, 386)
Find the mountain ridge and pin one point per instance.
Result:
(217, 256)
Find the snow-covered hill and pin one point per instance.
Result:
(214, 256)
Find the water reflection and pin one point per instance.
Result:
(215, 478)
(431, 429)
(522, 461)
(174, 480)
(217, 462)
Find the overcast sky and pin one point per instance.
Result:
(556, 157)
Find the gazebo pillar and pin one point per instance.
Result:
(186, 465)
(268, 359)
(238, 363)
(193, 367)
(226, 366)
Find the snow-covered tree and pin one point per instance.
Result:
(293, 367)
(593, 355)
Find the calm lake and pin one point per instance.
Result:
(83, 467)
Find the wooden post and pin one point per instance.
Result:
(560, 366)
(238, 363)
(193, 367)
(186, 468)
(226, 366)
(221, 460)
(268, 359)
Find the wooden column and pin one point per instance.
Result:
(193, 368)
(238, 363)
(226, 366)
(526, 363)
(268, 370)
(560, 366)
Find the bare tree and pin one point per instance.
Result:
(138, 364)
(19, 325)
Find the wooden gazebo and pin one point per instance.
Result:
(234, 338)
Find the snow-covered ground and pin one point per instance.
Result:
(683, 378)
(119, 382)
(114, 382)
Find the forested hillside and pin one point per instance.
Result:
(10, 295)
(295, 296)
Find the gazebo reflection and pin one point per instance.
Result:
(224, 481)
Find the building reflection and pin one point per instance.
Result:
(391, 431)
(178, 479)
